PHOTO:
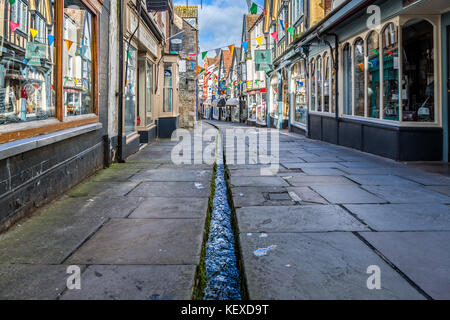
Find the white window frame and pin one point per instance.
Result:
(329, 113)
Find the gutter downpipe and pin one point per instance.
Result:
(120, 92)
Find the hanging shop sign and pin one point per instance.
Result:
(263, 60)
(157, 5)
(36, 53)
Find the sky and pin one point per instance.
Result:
(220, 22)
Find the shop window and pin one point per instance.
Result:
(27, 68)
(390, 73)
(77, 58)
(347, 69)
(333, 84)
(300, 93)
(373, 75)
(326, 82)
(319, 83)
(359, 83)
(312, 102)
(168, 87)
(130, 91)
(149, 93)
(418, 72)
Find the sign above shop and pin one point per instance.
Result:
(263, 60)
(157, 5)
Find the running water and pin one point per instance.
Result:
(222, 273)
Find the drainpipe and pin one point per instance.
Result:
(120, 92)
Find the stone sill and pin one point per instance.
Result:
(14, 148)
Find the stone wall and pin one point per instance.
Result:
(187, 80)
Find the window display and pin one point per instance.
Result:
(312, 102)
(261, 110)
(274, 108)
(300, 93)
(326, 82)
(319, 84)
(390, 73)
(27, 65)
(149, 96)
(373, 75)
(77, 71)
(347, 69)
(130, 92)
(359, 83)
(418, 72)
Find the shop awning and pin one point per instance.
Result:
(232, 102)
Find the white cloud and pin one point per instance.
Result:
(220, 23)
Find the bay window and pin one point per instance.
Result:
(388, 79)
(168, 87)
(319, 84)
(326, 82)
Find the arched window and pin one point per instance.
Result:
(347, 69)
(390, 73)
(358, 54)
(333, 82)
(418, 71)
(319, 76)
(373, 75)
(326, 82)
(299, 85)
(313, 85)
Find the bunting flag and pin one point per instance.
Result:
(361, 66)
(70, 43)
(202, 70)
(245, 45)
(204, 54)
(13, 26)
(198, 70)
(231, 48)
(192, 65)
(282, 25)
(34, 32)
(254, 8)
(192, 55)
(375, 51)
(51, 40)
(290, 30)
(259, 40)
(275, 35)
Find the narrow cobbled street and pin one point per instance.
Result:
(311, 231)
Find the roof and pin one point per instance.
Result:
(250, 20)
(227, 61)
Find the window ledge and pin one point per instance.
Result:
(11, 149)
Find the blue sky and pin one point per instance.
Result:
(220, 22)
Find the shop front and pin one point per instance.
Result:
(279, 100)
(261, 109)
(168, 113)
(390, 86)
(253, 98)
(51, 136)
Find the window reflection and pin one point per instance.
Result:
(390, 73)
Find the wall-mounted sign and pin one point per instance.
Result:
(157, 5)
(263, 60)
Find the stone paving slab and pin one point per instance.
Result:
(346, 194)
(430, 179)
(136, 282)
(259, 196)
(423, 256)
(144, 241)
(314, 218)
(174, 175)
(381, 180)
(404, 217)
(306, 195)
(317, 266)
(407, 194)
(198, 189)
(258, 182)
(167, 208)
(307, 181)
(100, 207)
(98, 189)
(46, 239)
(441, 189)
(323, 172)
(32, 282)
